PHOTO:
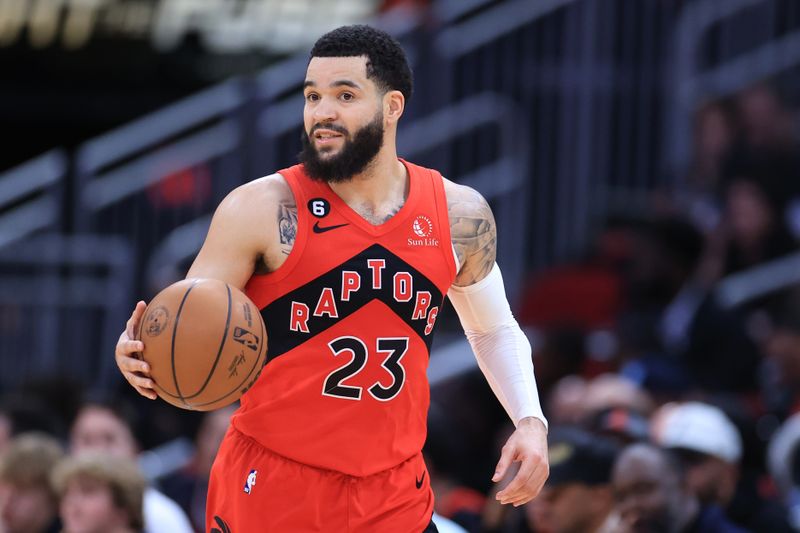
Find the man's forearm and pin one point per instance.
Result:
(501, 348)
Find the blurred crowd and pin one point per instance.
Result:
(673, 395)
(90, 476)
(668, 354)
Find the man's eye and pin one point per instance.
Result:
(312, 97)
(347, 96)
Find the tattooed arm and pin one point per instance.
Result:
(501, 349)
(287, 224)
(253, 230)
(472, 231)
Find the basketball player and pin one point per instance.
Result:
(349, 255)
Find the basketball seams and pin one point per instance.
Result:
(172, 344)
(182, 341)
(162, 389)
(219, 352)
(237, 388)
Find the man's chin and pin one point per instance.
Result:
(327, 154)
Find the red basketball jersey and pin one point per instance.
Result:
(350, 318)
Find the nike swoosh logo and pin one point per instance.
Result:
(320, 229)
(420, 480)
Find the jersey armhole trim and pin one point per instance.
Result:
(446, 246)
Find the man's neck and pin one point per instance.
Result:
(381, 188)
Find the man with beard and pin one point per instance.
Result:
(349, 256)
(652, 495)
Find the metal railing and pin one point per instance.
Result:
(62, 302)
(756, 282)
(125, 162)
(31, 197)
(588, 76)
(162, 171)
(769, 52)
(548, 108)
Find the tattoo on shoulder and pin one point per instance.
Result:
(474, 235)
(287, 225)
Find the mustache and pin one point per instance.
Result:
(332, 127)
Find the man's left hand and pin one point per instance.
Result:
(528, 446)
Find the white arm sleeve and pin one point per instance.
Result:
(502, 350)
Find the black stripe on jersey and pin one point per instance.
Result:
(277, 315)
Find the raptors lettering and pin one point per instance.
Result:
(402, 291)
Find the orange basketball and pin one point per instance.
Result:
(205, 343)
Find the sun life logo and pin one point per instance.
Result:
(422, 226)
(423, 232)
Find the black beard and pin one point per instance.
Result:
(352, 159)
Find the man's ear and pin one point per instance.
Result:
(394, 103)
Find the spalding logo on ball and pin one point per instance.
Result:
(205, 342)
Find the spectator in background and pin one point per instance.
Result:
(565, 401)
(767, 124)
(709, 446)
(753, 225)
(577, 497)
(27, 502)
(783, 459)
(99, 493)
(781, 345)
(623, 425)
(24, 413)
(189, 486)
(609, 404)
(674, 333)
(715, 132)
(107, 426)
(652, 495)
(567, 307)
(659, 285)
(608, 391)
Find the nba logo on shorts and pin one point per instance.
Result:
(251, 481)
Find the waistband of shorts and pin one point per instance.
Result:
(257, 443)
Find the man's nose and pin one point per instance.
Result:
(324, 111)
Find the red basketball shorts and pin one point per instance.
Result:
(254, 490)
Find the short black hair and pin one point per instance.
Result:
(387, 64)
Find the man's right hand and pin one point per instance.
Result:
(136, 371)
